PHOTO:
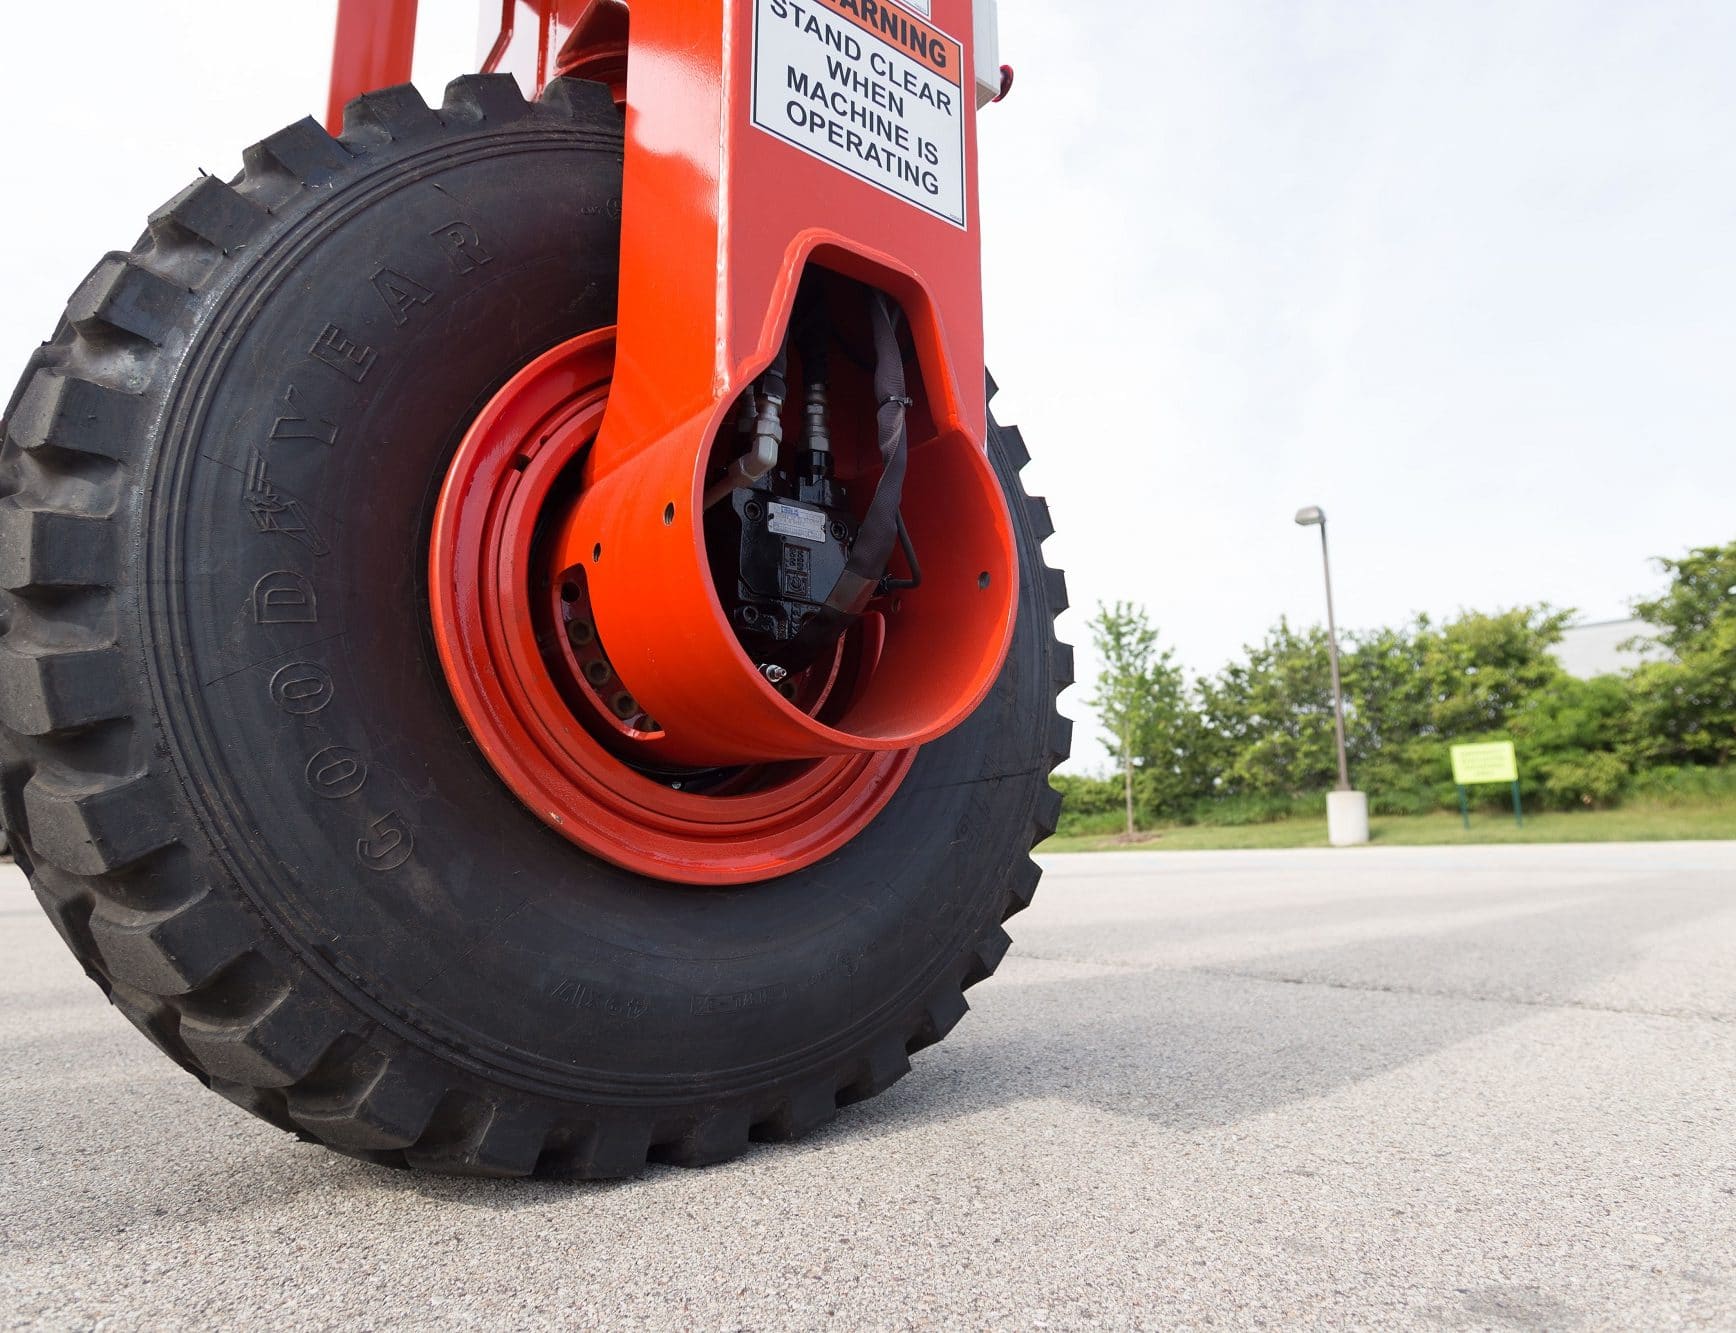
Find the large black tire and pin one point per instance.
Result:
(218, 479)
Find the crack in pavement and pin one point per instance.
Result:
(1371, 988)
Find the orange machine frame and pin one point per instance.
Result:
(719, 221)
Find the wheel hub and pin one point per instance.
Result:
(531, 670)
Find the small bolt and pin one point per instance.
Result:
(774, 673)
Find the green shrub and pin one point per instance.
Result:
(1090, 826)
(1241, 811)
(1090, 807)
(1087, 796)
(1596, 778)
(1412, 800)
(1671, 784)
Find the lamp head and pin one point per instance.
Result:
(1310, 517)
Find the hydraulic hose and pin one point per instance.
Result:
(878, 533)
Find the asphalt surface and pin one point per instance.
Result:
(1470, 1088)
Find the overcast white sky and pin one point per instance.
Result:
(1459, 272)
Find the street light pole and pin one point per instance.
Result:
(1314, 516)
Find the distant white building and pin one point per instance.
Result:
(1601, 648)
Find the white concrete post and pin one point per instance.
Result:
(1347, 818)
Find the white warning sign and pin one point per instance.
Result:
(871, 89)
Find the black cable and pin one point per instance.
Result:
(878, 532)
(813, 336)
(890, 584)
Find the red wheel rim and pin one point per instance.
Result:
(560, 739)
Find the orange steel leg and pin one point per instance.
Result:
(375, 41)
(720, 218)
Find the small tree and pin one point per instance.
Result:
(1685, 708)
(1272, 715)
(1700, 598)
(1481, 668)
(1138, 689)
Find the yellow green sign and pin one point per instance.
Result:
(1492, 761)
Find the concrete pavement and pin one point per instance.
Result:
(1465, 1088)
